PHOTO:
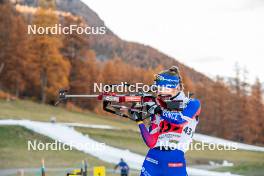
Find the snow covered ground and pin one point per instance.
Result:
(69, 136)
(215, 140)
(197, 137)
(89, 126)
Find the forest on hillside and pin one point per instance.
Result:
(37, 66)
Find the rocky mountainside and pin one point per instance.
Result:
(76, 7)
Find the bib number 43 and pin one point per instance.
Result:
(187, 130)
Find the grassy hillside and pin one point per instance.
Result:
(256, 169)
(14, 152)
(23, 109)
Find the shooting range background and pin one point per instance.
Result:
(29, 83)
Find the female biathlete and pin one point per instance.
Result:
(171, 130)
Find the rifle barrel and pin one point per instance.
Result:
(81, 96)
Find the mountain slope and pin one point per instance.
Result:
(76, 7)
(110, 45)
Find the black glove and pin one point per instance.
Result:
(158, 110)
(154, 109)
(137, 116)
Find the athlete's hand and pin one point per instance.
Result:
(137, 116)
(154, 109)
(150, 107)
(158, 110)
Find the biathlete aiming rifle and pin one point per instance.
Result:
(115, 103)
(125, 105)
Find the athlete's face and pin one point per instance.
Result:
(169, 92)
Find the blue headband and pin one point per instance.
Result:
(165, 80)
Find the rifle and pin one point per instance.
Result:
(115, 103)
(118, 103)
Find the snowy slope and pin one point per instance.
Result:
(215, 140)
(197, 137)
(89, 126)
(110, 154)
